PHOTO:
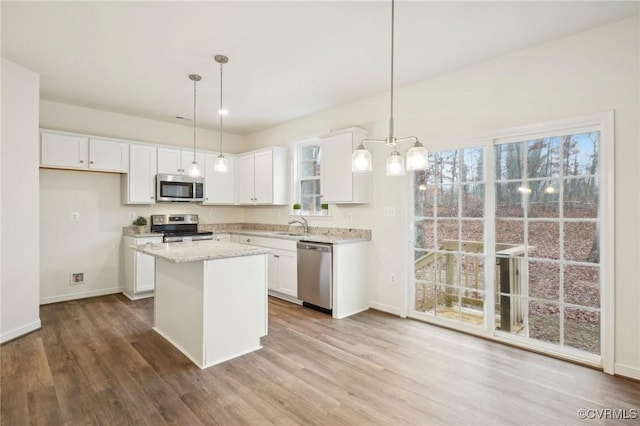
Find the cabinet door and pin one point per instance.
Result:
(273, 275)
(65, 151)
(246, 179)
(108, 155)
(142, 173)
(263, 192)
(145, 272)
(337, 177)
(288, 273)
(220, 188)
(169, 161)
(187, 158)
(234, 238)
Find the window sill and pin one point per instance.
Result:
(308, 214)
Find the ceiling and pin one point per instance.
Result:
(286, 59)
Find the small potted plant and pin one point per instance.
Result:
(140, 223)
(325, 208)
(296, 208)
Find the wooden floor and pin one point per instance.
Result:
(97, 361)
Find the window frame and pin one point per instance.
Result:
(297, 179)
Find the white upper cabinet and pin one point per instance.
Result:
(108, 155)
(246, 174)
(70, 151)
(64, 151)
(262, 177)
(177, 161)
(339, 184)
(220, 188)
(138, 186)
(169, 161)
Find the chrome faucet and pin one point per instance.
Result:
(302, 221)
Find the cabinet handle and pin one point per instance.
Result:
(248, 240)
(276, 255)
(151, 197)
(81, 161)
(90, 162)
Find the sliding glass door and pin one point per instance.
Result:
(507, 241)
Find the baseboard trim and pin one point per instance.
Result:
(385, 308)
(627, 371)
(20, 331)
(81, 295)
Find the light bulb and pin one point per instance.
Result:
(221, 165)
(549, 190)
(194, 170)
(524, 189)
(395, 164)
(223, 111)
(361, 160)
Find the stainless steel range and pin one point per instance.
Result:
(178, 227)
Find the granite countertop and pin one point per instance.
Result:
(192, 251)
(316, 238)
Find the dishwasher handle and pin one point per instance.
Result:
(324, 248)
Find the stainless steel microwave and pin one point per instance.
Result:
(179, 188)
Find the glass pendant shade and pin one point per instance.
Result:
(417, 157)
(194, 170)
(361, 159)
(395, 164)
(221, 165)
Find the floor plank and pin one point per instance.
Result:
(98, 361)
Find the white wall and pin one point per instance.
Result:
(593, 71)
(93, 244)
(20, 205)
(59, 116)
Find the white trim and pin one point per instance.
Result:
(20, 331)
(81, 295)
(627, 371)
(139, 296)
(283, 296)
(607, 239)
(478, 331)
(394, 310)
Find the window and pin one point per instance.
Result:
(308, 191)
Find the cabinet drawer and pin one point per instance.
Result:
(275, 242)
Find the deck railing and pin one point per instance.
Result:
(464, 280)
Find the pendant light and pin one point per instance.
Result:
(221, 164)
(417, 156)
(194, 170)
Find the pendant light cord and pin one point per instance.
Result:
(391, 138)
(194, 120)
(220, 113)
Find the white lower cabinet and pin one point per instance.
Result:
(283, 264)
(139, 268)
(222, 237)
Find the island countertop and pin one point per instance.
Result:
(191, 251)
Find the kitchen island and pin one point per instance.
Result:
(210, 298)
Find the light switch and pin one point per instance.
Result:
(75, 216)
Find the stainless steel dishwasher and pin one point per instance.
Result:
(315, 275)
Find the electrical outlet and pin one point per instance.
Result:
(77, 278)
(132, 216)
(75, 216)
(393, 278)
(350, 217)
(389, 211)
(212, 215)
